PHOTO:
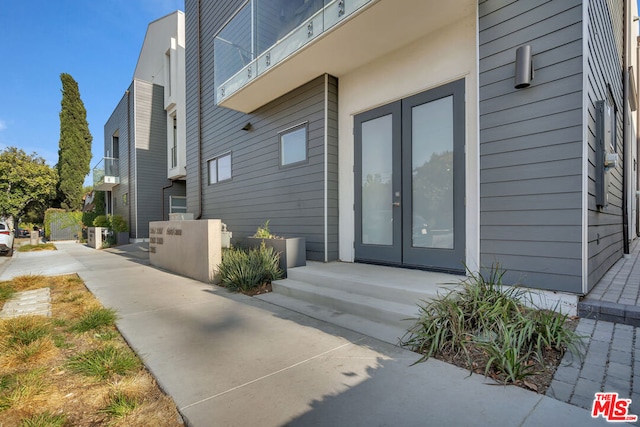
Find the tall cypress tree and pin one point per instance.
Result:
(74, 152)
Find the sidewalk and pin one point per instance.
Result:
(232, 360)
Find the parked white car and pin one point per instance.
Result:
(6, 239)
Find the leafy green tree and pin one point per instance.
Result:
(27, 183)
(74, 153)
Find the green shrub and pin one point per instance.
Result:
(101, 221)
(119, 224)
(263, 232)
(245, 269)
(484, 314)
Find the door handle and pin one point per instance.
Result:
(396, 204)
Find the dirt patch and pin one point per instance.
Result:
(265, 288)
(37, 381)
(541, 371)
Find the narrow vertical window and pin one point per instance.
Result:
(174, 143)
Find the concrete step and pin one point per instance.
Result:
(368, 307)
(383, 332)
(387, 283)
(375, 300)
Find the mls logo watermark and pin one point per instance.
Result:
(611, 408)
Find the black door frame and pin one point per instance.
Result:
(401, 252)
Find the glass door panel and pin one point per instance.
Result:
(376, 179)
(432, 174)
(378, 185)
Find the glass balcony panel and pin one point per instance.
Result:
(106, 174)
(277, 18)
(266, 32)
(233, 45)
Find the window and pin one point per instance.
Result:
(220, 168)
(177, 204)
(293, 145)
(115, 145)
(174, 143)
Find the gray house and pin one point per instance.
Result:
(143, 171)
(420, 134)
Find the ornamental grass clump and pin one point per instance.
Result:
(485, 324)
(245, 269)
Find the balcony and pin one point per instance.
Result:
(106, 174)
(270, 47)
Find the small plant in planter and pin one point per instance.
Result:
(292, 250)
(263, 232)
(120, 229)
(247, 270)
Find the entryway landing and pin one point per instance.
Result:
(375, 300)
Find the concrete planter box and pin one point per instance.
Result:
(292, 250)
(122, 238)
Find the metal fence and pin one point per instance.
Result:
(64, 225)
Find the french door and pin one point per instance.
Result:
(409, 181)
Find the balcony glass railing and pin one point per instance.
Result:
(264, 33)
(106, 171)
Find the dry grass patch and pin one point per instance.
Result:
(35, 248)
(74, 368)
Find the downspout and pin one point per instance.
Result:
(625, 138)
(165, 188)
(199, 59)
(637, 195)
(129, 162)
(326, 170)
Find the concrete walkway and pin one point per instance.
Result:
(232, 360)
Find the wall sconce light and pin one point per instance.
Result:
(247, 127)
(524, 67)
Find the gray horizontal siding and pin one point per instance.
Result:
(291, 198)
(531, 143)
(119, 122)
(151, 154)
(605, 235)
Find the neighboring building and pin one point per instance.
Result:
(143, 171)
(391, 132)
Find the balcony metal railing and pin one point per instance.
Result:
(264, 33)
(106, 174)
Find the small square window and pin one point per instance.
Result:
(219, 169)
(293, 146)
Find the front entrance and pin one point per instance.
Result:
(409, 181)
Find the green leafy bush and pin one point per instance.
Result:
(101, 221)
(484, 314)
(263, 232)
(245, 269)
(119, 224)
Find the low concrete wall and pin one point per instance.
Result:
(189, 248)
(94, 237)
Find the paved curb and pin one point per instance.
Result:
(28, 303)
(610, 312)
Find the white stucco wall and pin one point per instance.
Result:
(167, 35)
(449, 54)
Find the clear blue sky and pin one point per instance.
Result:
(96, 41)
